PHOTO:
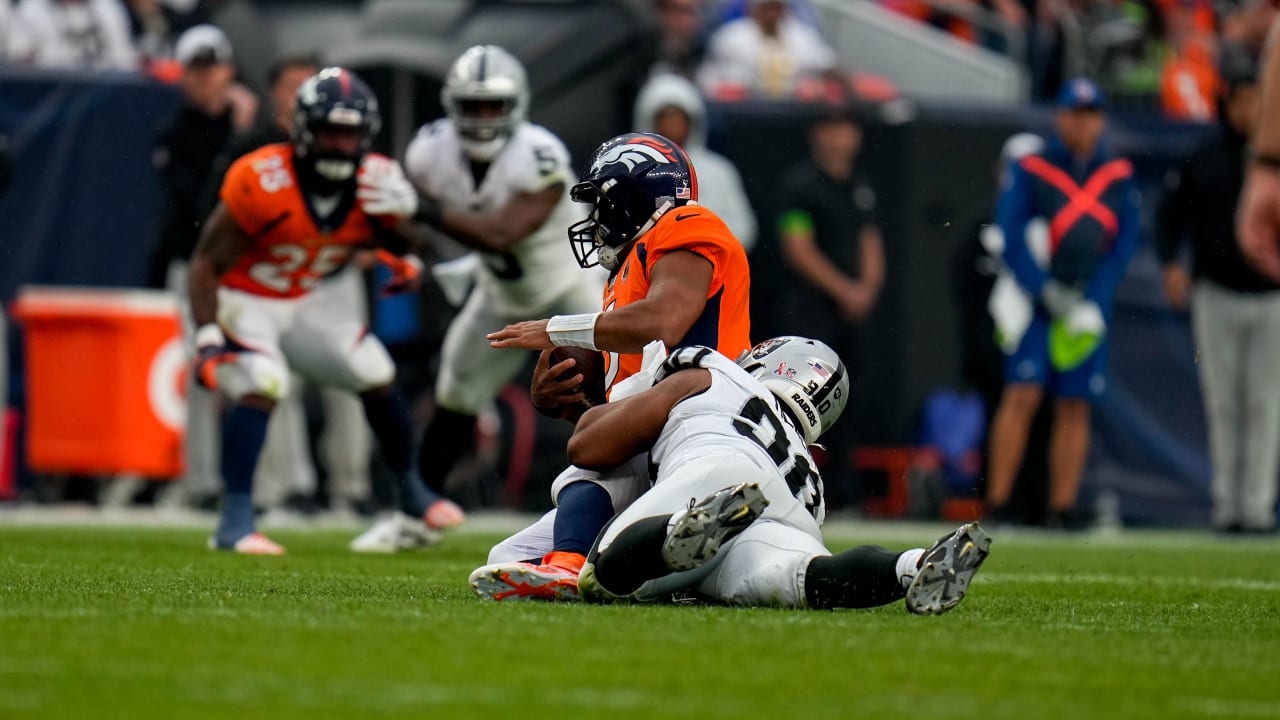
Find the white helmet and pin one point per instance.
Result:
(483, 75)
(806, 376)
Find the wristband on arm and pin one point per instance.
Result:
(574, 330)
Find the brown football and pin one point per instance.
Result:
(590, 363)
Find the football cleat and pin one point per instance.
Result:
(697, 534)
(252, 544)
(394, 533)
(591, 590)
(444, 514)
(946, 569)
(555, 579)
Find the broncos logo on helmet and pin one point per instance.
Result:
(633, 180)
(632, 154)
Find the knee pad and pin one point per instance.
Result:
(371, 365)
(254, 373)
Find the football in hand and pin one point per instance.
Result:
(589, 364)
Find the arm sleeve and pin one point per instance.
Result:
(1175, 214)
(1102, 286)
(1013, 212)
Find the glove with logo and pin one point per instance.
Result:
(383, 189)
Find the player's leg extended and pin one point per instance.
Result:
(331, 346)
(254, 380)
(527, 566)
(471, 375)
(680, 524)
(244, 430)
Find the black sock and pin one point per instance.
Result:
(388, 416)
(445, 440)
(634, 557)
(584, 508)
(863, 577)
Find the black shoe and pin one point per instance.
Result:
(946, 569)
(1066, 521)
(697, 534)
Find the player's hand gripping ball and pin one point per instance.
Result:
(589, 364)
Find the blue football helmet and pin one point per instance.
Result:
(631, 181)
(333, 97)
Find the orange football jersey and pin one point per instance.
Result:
(291, 250)
(725, 322)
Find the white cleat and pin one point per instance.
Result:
(252, 544)
(696, 535)
(395, 533)
(946, 569)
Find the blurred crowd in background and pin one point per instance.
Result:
(1150, 54)
(1182, 60)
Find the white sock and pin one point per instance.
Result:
(908, 563)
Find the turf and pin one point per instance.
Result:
(145, 623)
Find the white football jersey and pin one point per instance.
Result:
(537, 270)
(737, 416)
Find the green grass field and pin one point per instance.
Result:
(146, 623)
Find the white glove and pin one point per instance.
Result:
(1059, 299)
(383, 188)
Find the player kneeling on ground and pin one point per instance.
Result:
(290, 215)
(737, 436)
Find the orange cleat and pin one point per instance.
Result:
(556, 579)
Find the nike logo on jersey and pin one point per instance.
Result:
(685, 217)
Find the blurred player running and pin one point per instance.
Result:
(290, 215)
(497, 184)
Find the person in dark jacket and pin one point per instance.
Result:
(1235, 311)
(212, 110)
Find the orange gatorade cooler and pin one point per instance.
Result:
(105, 381)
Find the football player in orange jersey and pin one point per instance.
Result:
(679, 277)
(291, 214)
